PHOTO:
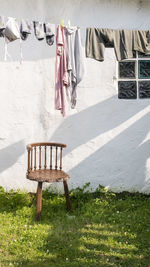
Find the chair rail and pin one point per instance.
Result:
(30, 146)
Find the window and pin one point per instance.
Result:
(134, 77)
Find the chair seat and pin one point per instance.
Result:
(48, 176)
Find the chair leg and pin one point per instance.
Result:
(39, 201)
(68, 203)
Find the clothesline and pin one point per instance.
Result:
(68, 24)
(69, 60)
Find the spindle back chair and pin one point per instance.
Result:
(45, 165)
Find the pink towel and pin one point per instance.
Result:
(61, 74)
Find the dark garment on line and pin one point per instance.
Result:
(141, 41)
(96, 41)
(125, 42)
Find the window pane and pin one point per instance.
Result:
(144, 89)
(127, 69)
(144, 69)
(127, 90)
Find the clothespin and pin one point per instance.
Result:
(69, 24)
(62, 22)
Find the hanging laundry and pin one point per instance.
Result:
(11, 31)
(39, 30)
(25, 29)
(61, 75)
(141, 41)
(96, 41)
(2, 26)
(125, 42)
(69, 66)
(75, 66)
(49, 30)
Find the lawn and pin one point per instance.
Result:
(103, 229)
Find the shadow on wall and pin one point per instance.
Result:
(95, 120)
(10, 154)
(121, 162)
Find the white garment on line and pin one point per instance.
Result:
(75, 61)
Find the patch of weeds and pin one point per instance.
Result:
(80, 196)
(13, 200)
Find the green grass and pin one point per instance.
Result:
(104, 229)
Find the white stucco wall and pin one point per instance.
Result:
(108, 139)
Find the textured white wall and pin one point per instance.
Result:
(108, 139)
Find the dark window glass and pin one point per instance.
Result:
(144, 89)
(144, 69)
(127, 90)
(127, 69)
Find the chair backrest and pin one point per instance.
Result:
(42, 156)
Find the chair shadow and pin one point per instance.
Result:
(10, 154)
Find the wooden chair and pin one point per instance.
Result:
(41, 159)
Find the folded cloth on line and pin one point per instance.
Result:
(39, 30)
(49, 30)
(25, 29)
(11, 32)
(2, 26)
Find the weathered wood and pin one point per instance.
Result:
(39, 157)
(56, 159)
(68, 203)
(42, 173)
(46, 144)
(39, 201)
(48, 175)
(61, 158)
(35, 158)
(45, 159)
(28, 161)
(31, 159)
(51, 157)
